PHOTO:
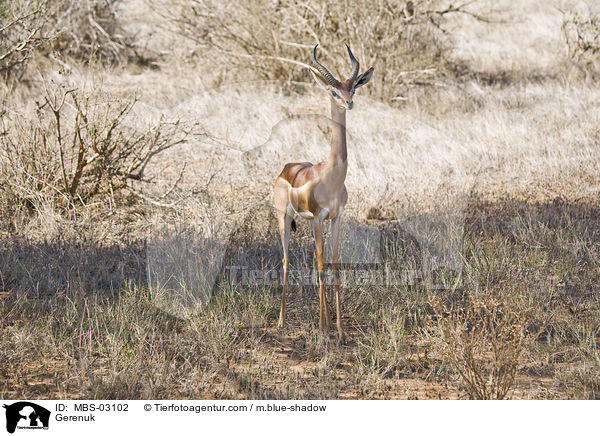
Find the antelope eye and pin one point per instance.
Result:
(335, 93)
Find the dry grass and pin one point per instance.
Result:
(107, 336)
(476, 184)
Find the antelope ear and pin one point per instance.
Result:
(320, 80)
(364, 78)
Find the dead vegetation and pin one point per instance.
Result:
(20, 34)
(89, 31)
(82, 147)
(483, 342)
(270, 40)
(477, 187)
(65, 31)
(581, 30)
(108, 338)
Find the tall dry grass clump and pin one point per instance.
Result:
(482, 341)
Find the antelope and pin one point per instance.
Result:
(317, 192)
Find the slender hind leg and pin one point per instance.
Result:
(335, 258)
(324, 318)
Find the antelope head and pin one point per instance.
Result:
(341, 92)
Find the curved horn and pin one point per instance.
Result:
(355, 65)
(326, 74)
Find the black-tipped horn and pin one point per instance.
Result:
(355, 65)
(326, 74)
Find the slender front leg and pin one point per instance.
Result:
(336, 274)
(285, 221)
(324, 318)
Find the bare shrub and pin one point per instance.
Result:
(88, 30)
(82, 146)
(20, 33)
(482, 341)
(582, 36)
(271, 40)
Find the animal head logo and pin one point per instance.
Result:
(24, 414)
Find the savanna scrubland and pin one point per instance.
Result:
(139, 255)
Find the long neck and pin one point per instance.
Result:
(338, 156)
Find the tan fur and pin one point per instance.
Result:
(317, 192)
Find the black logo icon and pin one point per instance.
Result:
(26, 415)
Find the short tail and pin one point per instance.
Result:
(293, 225)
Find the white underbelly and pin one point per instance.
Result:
(306, 215)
